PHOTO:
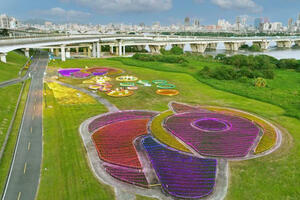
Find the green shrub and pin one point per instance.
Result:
(288, 64)
(160, 58)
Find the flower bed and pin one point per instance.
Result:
(80, 74)
(128, 175)
(69, 96)
(269, 137)
(68, 72)
(167, 92)
(181, 175)
(127, 78)
(235, 141)
(117, 117)
(119, 92)
(114, 142)
(163, 135)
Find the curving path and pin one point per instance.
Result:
(23, 179)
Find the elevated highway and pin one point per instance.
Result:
(62, 45)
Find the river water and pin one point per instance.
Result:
(272, 51)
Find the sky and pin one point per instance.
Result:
(149, 11)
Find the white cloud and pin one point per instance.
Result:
(249, 5)
(119, 6)
(60, 13)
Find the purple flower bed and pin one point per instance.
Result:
(232, 140)
(128, 175)
(119, 116)
(68, 72)
(181, 175)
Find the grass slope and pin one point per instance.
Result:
(65, 170)
(10, 70)
(9, 97)
(10, 146)
(272, 177)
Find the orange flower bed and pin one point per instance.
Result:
(167, 92)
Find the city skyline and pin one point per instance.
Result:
(137, 11)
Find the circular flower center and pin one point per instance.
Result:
(211, 124)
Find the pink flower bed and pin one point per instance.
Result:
(232, 139)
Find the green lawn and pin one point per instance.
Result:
(10, 70)
(9, 97)
(65, 170)
(10, 146)
(272, 177)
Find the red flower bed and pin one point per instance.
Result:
(114, 142)
(119, 116)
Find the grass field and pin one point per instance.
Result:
(10, 70)
(10, 146)
(65, 170)
(272, 177)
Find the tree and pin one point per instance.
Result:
(4, 32)
(260, 82)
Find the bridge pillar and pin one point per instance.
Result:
(119, 49)
(63, 53)
(233, 46)
(77, 49)
(111, 50)
(156, 48)
(94, 50)
(89, 51)
(3, 57)
(27, 52)
(98, 50)
(51, 50)
(284, 44)
(56, 53)
(124, 50)
(212, 46)
(178, 45)
(264, 45)
(199, 48)
(68, 53)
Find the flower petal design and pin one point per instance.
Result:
(181, 175)
(235, 140)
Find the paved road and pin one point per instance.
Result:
(24, 176)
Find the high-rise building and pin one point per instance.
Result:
(187, 21)
(258, 22)
(196, 22)
(290, 24)
(7, 22)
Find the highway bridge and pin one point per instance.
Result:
(91, 44)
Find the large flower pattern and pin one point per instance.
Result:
(125, 139)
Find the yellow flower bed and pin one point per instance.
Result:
(269, 137)
(69, 96)
(162, 135)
